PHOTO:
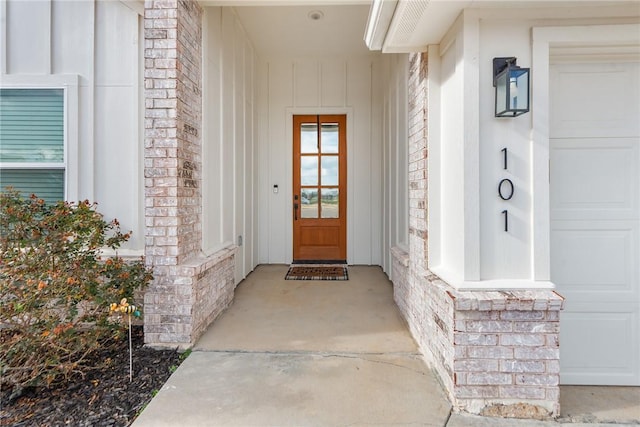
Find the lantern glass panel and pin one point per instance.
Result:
(519, 90)
(501, 93)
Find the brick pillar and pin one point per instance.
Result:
(496, 353)
(173, 120)
(417, 112)
(174, 312)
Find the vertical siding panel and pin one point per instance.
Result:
(72, 40)
(114, 99)
(3, 37)
(240, 146)
(29, 47)
(306, 84)
(73, 52)
(388, 193)
(263, 181)
(375, 132)
(359, 95)
(332, 83)
(249, 156)
(211, 143)
(228, 161)
(280, 161)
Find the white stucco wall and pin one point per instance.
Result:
(471, 248)
(229, 138)
(93, 49)
(319, 85)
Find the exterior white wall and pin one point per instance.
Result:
(97, 44)
(472, 249)
(320, 85)
(229, 138)
(454, 164)
(451, 207)
(395, 158)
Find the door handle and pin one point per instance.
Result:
(295, 211)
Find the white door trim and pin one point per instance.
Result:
(544, 39)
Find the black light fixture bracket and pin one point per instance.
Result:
(499, 65)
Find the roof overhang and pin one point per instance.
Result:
(403, 26)
(380, 16)
(397, 26)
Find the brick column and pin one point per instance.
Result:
(417, 113)
(174, 310)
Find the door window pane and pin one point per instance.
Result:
(329, 170)
(308, 138)
(309, 203)
(309, 170)
(330, 204)
(329, 137)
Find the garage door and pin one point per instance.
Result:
(595, 220)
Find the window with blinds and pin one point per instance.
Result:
(32, 142)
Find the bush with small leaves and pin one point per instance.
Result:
(55, 288)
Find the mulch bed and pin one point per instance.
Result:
(105, 397)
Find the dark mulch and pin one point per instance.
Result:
(105, 397)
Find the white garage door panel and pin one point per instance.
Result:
(595, 219)
(590, 349)
(592, 176)
(578, 255)
(597, 100)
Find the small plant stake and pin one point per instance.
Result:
(125, 308)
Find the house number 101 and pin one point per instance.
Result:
(505, 190)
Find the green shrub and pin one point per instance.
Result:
(56, 289)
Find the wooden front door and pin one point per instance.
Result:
(319, 188)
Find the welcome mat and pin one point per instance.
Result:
(317, 272)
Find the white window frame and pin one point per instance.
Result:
(69, 84)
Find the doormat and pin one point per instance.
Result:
(317, 272)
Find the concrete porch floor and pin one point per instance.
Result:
(329, 353)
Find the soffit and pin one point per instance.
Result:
(283, 28)
(415, 24)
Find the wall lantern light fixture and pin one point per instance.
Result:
(512, 87)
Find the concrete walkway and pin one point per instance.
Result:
(309, 353)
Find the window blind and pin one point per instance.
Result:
(47, 184)
(31, 125)
(32, 132)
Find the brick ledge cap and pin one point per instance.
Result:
(500, 300)
(203, 262)
(401, 255)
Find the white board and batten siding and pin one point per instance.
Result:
(93, 49)
(595, 217)
(228, 138)
(319, 85)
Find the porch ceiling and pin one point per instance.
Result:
(284, 27)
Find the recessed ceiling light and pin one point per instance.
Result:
(315, 15)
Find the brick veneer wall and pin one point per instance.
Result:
(189, 289)
(496, 353)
